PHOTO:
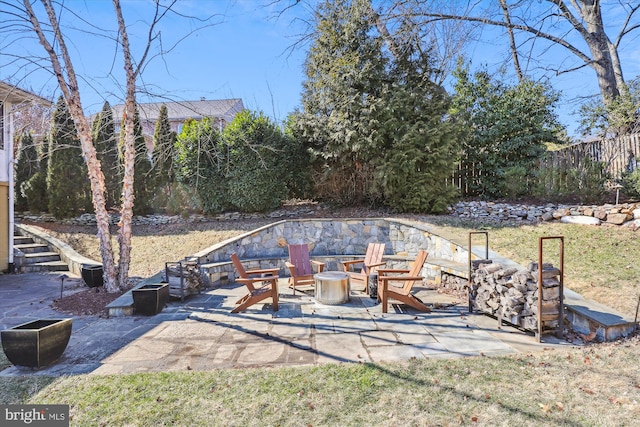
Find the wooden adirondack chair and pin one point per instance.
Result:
(301, 266)
(372, 260)
(402, 293)
(269, 289)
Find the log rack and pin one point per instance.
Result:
(545, 313)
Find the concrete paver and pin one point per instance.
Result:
(202, 334)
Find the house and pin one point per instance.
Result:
(11, 97)
(222, 111)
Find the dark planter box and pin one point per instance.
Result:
(37, 343)
(92, 275)
(150, 299)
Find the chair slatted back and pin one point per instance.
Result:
(238, 266)
(374, 254)
(421, 257)
(299, 256)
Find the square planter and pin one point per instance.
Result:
(92, 275)
(37, 343)
(150, 299)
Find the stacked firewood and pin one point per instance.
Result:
(511, 294)
(184, 278)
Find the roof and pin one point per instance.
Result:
(14, 95)
(183, 110)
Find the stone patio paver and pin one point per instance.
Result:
(202, 334)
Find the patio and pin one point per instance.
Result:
(203, 334)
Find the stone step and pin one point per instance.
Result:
(29, 248)
(40, 257)
(21, 240)
(44, 266)
(593, 319)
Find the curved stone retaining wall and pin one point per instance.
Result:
(331, 241)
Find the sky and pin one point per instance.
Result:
(247, 52)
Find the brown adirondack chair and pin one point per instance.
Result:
(301, 266)
(372, 260)
(269, 288)
(402, 293)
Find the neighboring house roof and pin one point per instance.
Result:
(224, 109)
(14, 95)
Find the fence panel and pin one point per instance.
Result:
(616, 154)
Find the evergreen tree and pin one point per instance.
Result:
(255, 177)
(142, 180)
(27, 165)
(418, 149)
(35, 189)
(106, 143)
(373, 116)
(163, 149)
(200, 164)
(68, 185)
(345, 70)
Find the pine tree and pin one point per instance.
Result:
(163, 149)
(417, 145)
(35, 189)
(142, 179)
(67, 180)
(345, 69)
(106, 143)
(27, 166)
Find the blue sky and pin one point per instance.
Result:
(246, 54)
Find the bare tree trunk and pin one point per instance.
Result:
(69, 87)
(596, 38)
(124, 234)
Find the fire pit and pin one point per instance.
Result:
(332, 287)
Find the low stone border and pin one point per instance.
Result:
(627, 214)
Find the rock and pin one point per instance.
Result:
(580, 219)
(618, 218)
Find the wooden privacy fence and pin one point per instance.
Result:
(616, 155)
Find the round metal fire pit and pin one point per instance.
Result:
(332, 287)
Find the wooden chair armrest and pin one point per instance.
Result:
(271, 271)
(354, 261)
(376, 265)
(399, 278)
(256, 279)
(383, 271)
(318, 264)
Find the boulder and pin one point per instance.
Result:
(580, 219)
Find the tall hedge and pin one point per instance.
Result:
(200, 164)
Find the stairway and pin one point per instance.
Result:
(36, 257)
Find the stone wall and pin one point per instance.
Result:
(627, 214)
(331, 242)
